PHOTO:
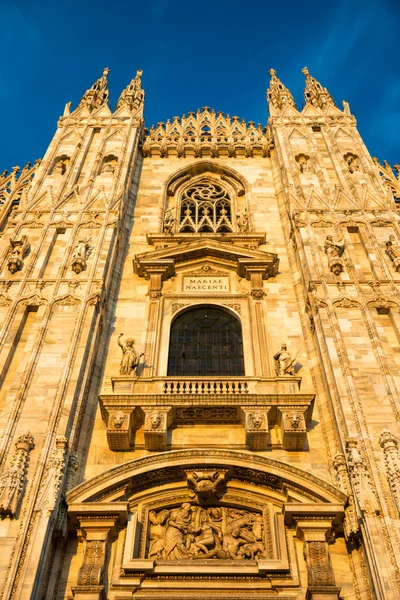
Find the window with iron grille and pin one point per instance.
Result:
(205, 340)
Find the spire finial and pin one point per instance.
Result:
(133, 95)
(98, 94)
(277, 94)
(314, 93)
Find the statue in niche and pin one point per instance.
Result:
(353, 162)
(392, 247)
(304, 163)
(243, 220)
(109, 166)
(393, 250)
(60, 168)
(17, 251)
(334, 250)
(195, 532)
(79, 257)
(169, 222)
(284, 362)
(130, 358)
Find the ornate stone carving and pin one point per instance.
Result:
(278, 95)
(391, 452)
(293, 428)
(303, 160)
(315, 94)
(79, 257)
(169, 222)
(12, 481)
(353, 162)
(257, 429)
(119, 429)
(207, 413)
(351, 526)
(194, 532)
(17, 251)
(133, 95)
(207, 133)
(284, 363)
(360, 478)
(156, 424)
(242, 220)
(130, 358)
(319, 567)
(208, 484)
(53, 477)
(393, 250)
(334, 251)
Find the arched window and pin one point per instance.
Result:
(205, 340)
(205, 208)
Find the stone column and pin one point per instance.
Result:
(96, 532)
(314, 526)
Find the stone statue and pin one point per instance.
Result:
(130, 358)
(334, 250)
(175, 534)
(393, 249)
(169, 222)
(353, 163)
(157, 533)
(304, 164)
(79, 257)
(108, 167)
(243, 221)
(331, 248)
(60, 167)
(195, 532)
(284, 362)
(17, 251)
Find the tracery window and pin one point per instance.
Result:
(205, 208)
(205, 341)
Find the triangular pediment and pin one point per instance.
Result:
(226, 253)
(311, 111)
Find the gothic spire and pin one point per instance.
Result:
(98, 94)
(133, 95)
(314, 93)
(277, 94)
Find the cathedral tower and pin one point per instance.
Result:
(200, 357)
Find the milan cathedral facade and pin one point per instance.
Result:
(200, 357)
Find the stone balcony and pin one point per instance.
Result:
(158, 403)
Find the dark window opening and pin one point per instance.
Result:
(206, 341)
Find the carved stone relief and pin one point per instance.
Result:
(194, 532)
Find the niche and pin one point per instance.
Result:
(60, 165)
(108, 165)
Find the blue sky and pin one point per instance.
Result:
(196, 54)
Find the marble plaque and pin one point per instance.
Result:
(206, 284)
